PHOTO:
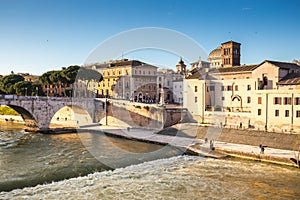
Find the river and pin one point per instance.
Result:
(28, 159)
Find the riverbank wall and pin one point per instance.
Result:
(252, 137)
(280, 148)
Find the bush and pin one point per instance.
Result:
(5, 110)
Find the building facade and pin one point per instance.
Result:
(126, 79)
(264, 96)
(165, 83)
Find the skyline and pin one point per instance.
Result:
(38, 36)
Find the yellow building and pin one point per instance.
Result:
(126, 79)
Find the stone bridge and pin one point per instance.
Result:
(37, 112)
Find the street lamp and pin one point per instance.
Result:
(37, 91)
(26, 92)
(106, 110)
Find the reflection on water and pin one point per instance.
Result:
(28, 159)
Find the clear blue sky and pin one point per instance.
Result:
(40, 35)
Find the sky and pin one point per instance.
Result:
(41, 35)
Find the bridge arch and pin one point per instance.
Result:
(29, 119)
(70, 116)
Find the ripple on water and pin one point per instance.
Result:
(182, 177)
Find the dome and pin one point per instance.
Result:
(216, 53)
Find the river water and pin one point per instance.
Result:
(28, 159)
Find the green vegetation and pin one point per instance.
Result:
(15, 84)
(7, 83)
(5, 110)
(69, 75)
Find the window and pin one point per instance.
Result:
(259, 112)
(287, 100)
(276, 113)
(259, 100)
(222, 88)
(212, 88)
(223, 98)
(196, 99)
(277, 100)
(248, 99)
(229, 88)
(236, 88)
(196, 89)
(248, 87)
(298, 113)
(287, 113)
(297, 101)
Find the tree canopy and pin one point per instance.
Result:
(7, 83)
(89, 74)
(69, 75)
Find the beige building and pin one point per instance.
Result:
(265, 96)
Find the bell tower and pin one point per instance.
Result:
(181, 67)
(231, 54)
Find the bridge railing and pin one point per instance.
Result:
(16, 97)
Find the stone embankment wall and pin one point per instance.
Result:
(141, 115)
(251, 137)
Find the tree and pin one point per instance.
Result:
(70, 73)
(23, 88)
(8, 82)
(45, 78)
(37, 89)
(89, 74)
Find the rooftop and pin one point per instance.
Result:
(290, 79)
(119, 63)
(243, 68)
(283, 65)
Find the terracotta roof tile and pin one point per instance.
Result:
(290, 79)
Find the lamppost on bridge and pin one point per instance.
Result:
(106, 110)
(26, 91)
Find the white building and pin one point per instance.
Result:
(178, 91)
(264, 96)
(165, 80)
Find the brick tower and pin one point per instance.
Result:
(231, 55)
